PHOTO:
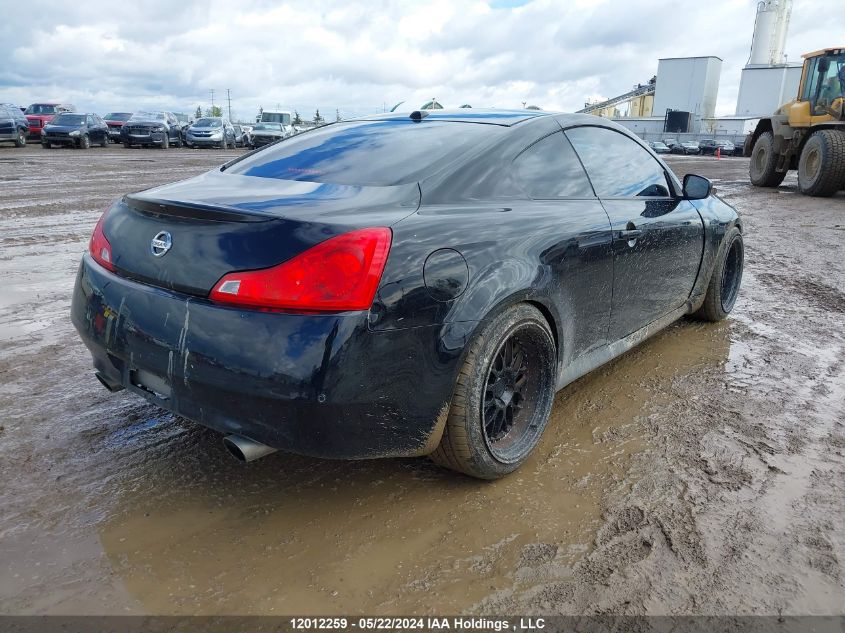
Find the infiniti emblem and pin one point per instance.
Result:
(161, 243)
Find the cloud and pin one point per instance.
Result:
(361, 57)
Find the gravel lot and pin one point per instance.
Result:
(701, 473)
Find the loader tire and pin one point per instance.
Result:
(764, 160)
(821, 167)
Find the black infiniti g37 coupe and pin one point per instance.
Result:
(401, 285)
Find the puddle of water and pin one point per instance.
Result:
(289, 534)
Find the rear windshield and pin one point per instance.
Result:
(118, 116)
(41, 108)
(69, 119)
(365, 152)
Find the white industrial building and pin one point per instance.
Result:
(686, 88)
(688, 84)
(763, 89)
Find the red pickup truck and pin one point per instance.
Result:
(40, 113)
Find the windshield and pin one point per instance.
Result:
(276, 117)
(147, 116)
(118, 116)
(377, 153)
(209, 123)
(41, 108)
(276, 127)
(69, 119)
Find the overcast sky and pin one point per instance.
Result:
(359, 57)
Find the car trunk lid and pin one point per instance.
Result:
(218, 223)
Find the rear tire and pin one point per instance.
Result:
(821, 166)
(764, 161)
(503, 396)
(725, 280)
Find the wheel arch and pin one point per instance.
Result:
(763, 125)
(528, 297)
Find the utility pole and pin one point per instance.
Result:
(212, 102)
(229, 99)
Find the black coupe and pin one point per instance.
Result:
(401, 285)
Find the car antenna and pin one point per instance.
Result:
(418, 115)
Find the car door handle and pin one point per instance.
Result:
(630, 234)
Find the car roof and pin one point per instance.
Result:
(465, 115)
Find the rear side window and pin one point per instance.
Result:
(618, 167)
(366, 152)
(550, 169)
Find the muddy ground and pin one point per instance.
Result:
(702, 473)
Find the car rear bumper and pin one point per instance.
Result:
(321, 385)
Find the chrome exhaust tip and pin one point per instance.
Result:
(246, 450)
(112, 386)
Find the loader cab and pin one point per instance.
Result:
(823, 81)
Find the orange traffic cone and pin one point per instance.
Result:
(718, 153)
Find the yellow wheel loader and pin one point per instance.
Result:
(807, 134)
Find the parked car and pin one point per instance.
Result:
(686, 148)
(739, 147)
(75, 130)
(241, 137)
(659, 147)
(38, 114)
(13, 125)
(115, 121)
(709, 146)
(213, 131)
(265, 133)
(151, 128)
(670, 142)
(373, 288)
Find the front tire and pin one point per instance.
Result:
(165, 142)
(84, 142)
(503, 396)
(821, 166)
(764, 161)
(725, 280)
(21, 140)
(45, 145)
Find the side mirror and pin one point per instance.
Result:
(824, 64)
(697, 187)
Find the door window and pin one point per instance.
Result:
(618, 167)
(550, 169)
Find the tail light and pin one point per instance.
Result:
(99, 246)
(342, 273)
